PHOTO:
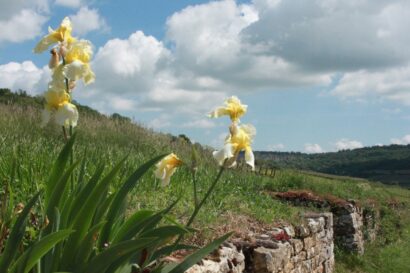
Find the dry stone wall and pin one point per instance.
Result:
(348, 227)
(352, 224)
(307, 248)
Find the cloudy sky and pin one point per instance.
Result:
(317, 75)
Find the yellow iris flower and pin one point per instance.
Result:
(62, 34)
(77, 60)
(58, 103)
(232, 108)
(166, 168)
(79, 51)
(240, 139)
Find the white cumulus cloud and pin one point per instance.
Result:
(9, 9)
(24, 25)
(392, 84)
(334, 35)
(121, 104)
(347, 144)
(199, 123)
(26, 76)
(276, 147)
(313, 148)
(69, 3)
(142, 67)
(363, 41)
(160, 122)
(209, 42)
(87, 20)
(401, 141)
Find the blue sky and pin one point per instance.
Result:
(316, 75)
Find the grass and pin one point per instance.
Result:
(240, 195)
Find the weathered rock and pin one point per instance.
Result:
(229, 260)
(290, 231)
(276, 231)
(314, 226)
(297, 245)
(302, 231)
(263, 237)
(308, 242)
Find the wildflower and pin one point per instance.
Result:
(77, 60)
(166, 168)
(57, 79)
(233, 108)
(240, 139)
(58, 103)
(61, 35)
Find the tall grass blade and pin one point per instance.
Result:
(16, 235)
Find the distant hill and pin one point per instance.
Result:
(387, 164)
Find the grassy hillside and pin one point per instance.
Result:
(239, 202)
(387, 164)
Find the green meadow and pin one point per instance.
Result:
(239, 201)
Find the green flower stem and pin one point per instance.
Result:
(65, 134)
(195, 188)
(199, 206)
(66, 80)
(70, 130)
(208, 193)
(71, 160)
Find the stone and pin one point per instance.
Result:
(302, 231)
(230, 260)
(328, 266)
(290, 231)
(299, 258)
(310, 252)
(263, 261)
(320, 269)
(308, 242)
(288, 267)
(328, 217)
(271, 260)
(263, 237)
(316, 260)
(276, 231)
(313, 225)
(322, 222)
(307, 266)
(321, 234)
(297, 245)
